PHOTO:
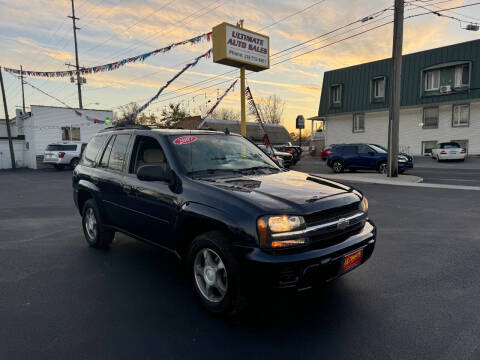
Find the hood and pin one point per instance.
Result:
(286, 191)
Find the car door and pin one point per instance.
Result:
(366, 157)
(349, 154)
(110, 180)
(152, 204)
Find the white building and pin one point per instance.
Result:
(43, 125)
(440, 100)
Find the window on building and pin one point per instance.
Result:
(461, 115)
(117, 156)
(427, 146)
(430, 118)
(358, 123)
(379, 88)
(462, 75)
(336, 94)
(70, 133)
(432, 80)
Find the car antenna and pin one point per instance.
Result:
(227, 132)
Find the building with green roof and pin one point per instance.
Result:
(440, 100)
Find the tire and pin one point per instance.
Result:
(401, 171)
(74, 162)
(215, 274)
(438, 159)
(382, 167)
(337, 166)
(95, 234)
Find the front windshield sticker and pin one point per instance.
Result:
(183, 140)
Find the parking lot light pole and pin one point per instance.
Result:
(395, 88)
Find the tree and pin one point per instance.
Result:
(172, 115)
(271, 109)
(226, 114)
(125, 115)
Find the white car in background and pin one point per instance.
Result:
(449, 151)
(65, 153)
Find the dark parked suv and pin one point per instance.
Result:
(219, 203)
(364, 156)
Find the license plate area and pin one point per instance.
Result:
(352, 260)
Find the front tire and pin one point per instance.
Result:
(215, 273)
(94, 231)
(382, 167)
(337, 166)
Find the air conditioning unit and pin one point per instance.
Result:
(445, 89)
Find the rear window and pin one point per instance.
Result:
(450, 145)
(57, 147)
(92, 149)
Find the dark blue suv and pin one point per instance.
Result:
(364, 156)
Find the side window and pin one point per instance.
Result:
(350, 149)
(117, 154)
(364, 149)
(92, 149)
(146, 151)
(106, 153)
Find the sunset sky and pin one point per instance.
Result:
(38, 35)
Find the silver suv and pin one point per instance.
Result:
(65, 153)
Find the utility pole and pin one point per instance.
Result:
(242, 97)
(7, 122)
(79, 84)
(395, 88)
(23, 93)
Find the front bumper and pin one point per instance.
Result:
(302, 270)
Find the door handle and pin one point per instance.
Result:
(128, 189)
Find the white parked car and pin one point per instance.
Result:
(65, 153)
(448, 151)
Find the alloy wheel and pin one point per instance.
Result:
(91, 224)
(210, 275)
(337, 166)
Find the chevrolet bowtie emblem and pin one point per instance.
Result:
(342, 224)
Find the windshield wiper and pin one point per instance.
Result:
(212, 171)
(255, 168)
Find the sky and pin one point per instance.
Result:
(38, 35)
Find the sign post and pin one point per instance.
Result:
(244, 49)
(300, 124)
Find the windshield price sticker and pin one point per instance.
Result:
(183, 140)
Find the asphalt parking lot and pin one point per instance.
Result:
(417, 298)
(448, 172)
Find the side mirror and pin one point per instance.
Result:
(154, 173)
(371, 153)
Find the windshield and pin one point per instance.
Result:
(450, 145)
(378, 149)
(213, 153)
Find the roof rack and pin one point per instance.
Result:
(126, 127)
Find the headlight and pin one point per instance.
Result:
(270, 229)
(364, 204)
(402, 158)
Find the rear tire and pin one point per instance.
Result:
(74, 163)
(337, 166)
(94, 231)
(215, 274)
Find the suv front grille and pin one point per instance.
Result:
(331, 214)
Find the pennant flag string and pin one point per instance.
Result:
(254, 110)
(155, 97)
(111, 66)
(209, 112)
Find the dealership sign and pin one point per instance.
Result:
(235, 46)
